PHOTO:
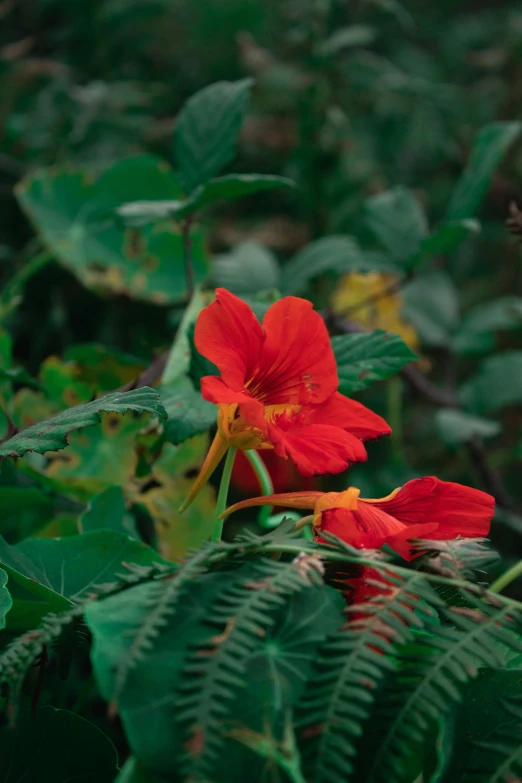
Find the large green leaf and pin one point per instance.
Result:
(189, 414)
(486, 732)
(398, 221)
(60, 571)
(207, 130)
(447, 237)
(489, 146)
(75, 218)
(106, 511)
(58, 746)
(455, 426)
(367, 357)
(149, 703)
(248, 269)
(337, 254)
(497, 383)
(51, 434)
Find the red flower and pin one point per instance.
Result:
(278, 388)
(424, 508)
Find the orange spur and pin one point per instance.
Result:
(426, 508)
(278, 388)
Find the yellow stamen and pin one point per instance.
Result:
(215, 454)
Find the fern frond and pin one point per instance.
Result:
(213, 674)
(23, 652)
(503, 751)
(462, 558)
(432, 677)
(351, 665)
(163, 601)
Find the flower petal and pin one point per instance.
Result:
(457, 510)
(217, 450)
(228, 333)
(350, 415)
(215, 390)
(297, 365)
(316, 448)
(366, 528)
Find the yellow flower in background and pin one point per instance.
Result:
(371, 300)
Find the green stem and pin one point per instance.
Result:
(267, 488)
(223, 494)
(506, 578)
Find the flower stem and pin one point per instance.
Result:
(263, 476)
(223, 494)
(506, 578)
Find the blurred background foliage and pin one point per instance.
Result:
(374, 108)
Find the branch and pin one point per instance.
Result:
(442, 398)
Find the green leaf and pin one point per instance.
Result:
(229, 188)
(133, 772)
(51, 434)
(431, 305)
(455, 427)
(57, 746)
(367, 357)
(207, 130)
(476, 333)
(498, 383)
(347, 38)
(502, 313)
(178, 362)
(489, 146)
(189, 414)
(447, 237)
(76, 219)
(24, 510)
(5, 598)
(61, 571)
(106, 511)
(486, 733)
(248, 269)
(339, 254)
(398, 221)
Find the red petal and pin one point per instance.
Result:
(297, 365)
(215, 390)
(317, 448)
(228, 333)
(457, 510)
(366, 528)
(350, 415)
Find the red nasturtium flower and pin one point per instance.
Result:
(278, 388)
(425, 508)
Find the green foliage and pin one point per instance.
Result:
(363, 359)
(339, 254)
(398, 221)
(253, 658)
(57, 745)
(51, 435)
(207, 130)
(488, 148)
